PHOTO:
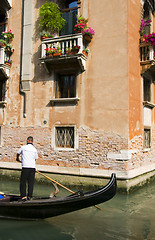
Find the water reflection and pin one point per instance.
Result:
(125, 217)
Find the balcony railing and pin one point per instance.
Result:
(63, 42)
(4, 68)
(146, 52)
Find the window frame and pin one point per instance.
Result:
(69, 28)
(147, 145)
(147, 88)
(57, 79)
(53, 140)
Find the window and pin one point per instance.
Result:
(69, 13)
(2, 25)
(146, 16)
(64, 137)
(147, 138)
(147, 90)
(66, 86)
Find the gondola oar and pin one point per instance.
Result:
(60, 185)
(54, 181)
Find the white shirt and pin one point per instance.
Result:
(29, 155)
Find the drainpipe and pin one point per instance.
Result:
(21, 61)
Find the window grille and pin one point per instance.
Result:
(64, 137)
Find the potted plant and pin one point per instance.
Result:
(2, 43)
(88, 34)
(81, 24)
(68, 51)
(9, 49)
(85, 52)
(50, 52)
(51, 18)
(46, 34)
(8, 35)
(75, 49)
(56, 51)
(8, 62)
(150, 38)
(142, 29)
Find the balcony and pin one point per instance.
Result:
(4, 68)
(147, 59)
(64, 61)
(5, 5)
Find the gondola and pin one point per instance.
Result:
(41, 207)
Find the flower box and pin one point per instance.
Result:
(85, 53)
(56, 54)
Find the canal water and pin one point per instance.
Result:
(125, 217)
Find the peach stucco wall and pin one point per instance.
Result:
(106, 87)
(135, 82)
(109, 89)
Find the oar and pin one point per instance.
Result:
(61, 185)
(54, 181)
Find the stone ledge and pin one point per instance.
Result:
(122, 175)
(124, 155)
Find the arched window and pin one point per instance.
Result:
(69, 13)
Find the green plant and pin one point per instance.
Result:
(9, 48)
(81, 24)
(50, 51)
(46, 34)
(8, 61)
(51, 17)
(143, 25)
(2, 42)
(88, 31)
(8, 35)
(86, 50)
(75, 48)
(82, 19)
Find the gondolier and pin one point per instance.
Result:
(28, 157)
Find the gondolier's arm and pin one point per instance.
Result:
(17, 158)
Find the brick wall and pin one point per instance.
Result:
(91, 153)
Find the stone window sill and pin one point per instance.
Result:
(3, 103)
(146, 149)
(148, 104)
(64, 100)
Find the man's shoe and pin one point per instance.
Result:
(23, 199)
(29, 198)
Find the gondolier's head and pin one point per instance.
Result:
(30, 139)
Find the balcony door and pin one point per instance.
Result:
(69, 13)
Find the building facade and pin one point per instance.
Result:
(89, 115)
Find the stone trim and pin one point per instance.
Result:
(124, 155)
(123, 175)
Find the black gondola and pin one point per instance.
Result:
(40, 208)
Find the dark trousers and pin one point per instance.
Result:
(27, 175)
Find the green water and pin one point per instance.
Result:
(124, 217)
